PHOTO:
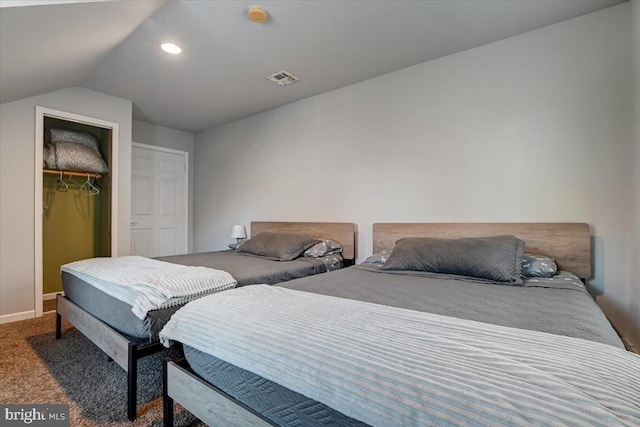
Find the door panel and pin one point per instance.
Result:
(141, 242)
(168, 166)
(142, 191)
(168, 241)
(158, 203)
(142, 162)
(168, 197)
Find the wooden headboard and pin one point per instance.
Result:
(568, 243)
(341, 232)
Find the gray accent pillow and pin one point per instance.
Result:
(378, 258)
(235, 246)
(538, 266)
(325, 247)
(560, 280)
(497, 258)
(277, 246)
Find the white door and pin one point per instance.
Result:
(158, 201)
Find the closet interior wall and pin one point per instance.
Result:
(75, 225)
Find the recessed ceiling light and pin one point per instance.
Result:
(171, 48)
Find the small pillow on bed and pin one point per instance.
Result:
(497, 258)
(236, 246)
(538, 266)
(277, 246)
(325, 247)
(378, 258)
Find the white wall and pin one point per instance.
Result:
(17, 172)
(148, 133)
(635, 259)
(535, 128)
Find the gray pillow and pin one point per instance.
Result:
(497, 258)
(325, 247)
(277, 246)
(235, 246)
(378, 258)
(538, 266)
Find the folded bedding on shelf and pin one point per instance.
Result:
(148, 284)
(72, 150)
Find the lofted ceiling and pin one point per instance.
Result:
(113, 47)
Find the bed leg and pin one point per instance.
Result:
(58, 326)
(132, 382)
(167, 402)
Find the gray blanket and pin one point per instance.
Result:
(387, 366)
(249, 270)
(571, 312)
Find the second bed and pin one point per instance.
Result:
(111, 324)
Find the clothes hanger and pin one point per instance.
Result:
(62, 186)
(91, 189)
(97, 184)
(72, 182)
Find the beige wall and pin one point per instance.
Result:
(635, 257)
(17, 173)
(537, 127)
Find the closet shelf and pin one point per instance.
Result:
(72, 173)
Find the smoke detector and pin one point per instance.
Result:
(283, 78)
(257, 13)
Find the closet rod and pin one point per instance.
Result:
(71, 173)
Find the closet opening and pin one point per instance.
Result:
(75, 196)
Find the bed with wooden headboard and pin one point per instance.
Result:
(568, 243)
(341, 232)
(557, 312)
(517, 306)
(110, 324)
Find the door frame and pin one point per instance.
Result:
(186, 185)
(41, 113)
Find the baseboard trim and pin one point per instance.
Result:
(15, 317)
(52, 295)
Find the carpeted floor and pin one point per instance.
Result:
(48, 305)
(36, 368)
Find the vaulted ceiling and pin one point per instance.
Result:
(113, 47)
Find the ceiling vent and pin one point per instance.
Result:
(283, 78)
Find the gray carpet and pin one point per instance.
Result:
(36, 368)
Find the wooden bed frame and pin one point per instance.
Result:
(125, 352)
(208, 403)
(568, 243)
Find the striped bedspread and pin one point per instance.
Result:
(148, 284)
(390, 366)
